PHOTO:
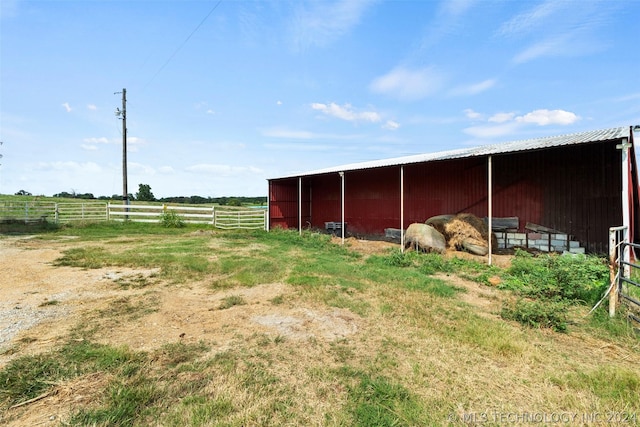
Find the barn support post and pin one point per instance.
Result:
(402, 209)
(613, 280)
(267, 225)
(342, 204)
(624, 158)
(300, 205)
(490, 204)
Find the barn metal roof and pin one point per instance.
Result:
(485, 150)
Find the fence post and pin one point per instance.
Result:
(613, 294)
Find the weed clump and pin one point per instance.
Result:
(548, 285)
(171, 219)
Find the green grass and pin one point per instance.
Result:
(231, 301)
(418, 353)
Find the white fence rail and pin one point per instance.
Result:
(253, 219)
(153, 213)
(225, 218)
(220, 217)
(53, 212)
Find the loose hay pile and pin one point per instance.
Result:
(466, 232)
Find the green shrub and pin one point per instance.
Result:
(171, 219)
(537, 313)
(576, 278)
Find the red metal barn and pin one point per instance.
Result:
(579, 184)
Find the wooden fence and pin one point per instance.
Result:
(220, 217)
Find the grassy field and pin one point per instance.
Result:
(426, 339)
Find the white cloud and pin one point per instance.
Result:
(530, 20)
(408, 84)
(549, 47)
(69, 167)
(288, 146)
(322, 23)
(502, 117)
(558, 28)
(473, 115)
(278, 102)
(101, 140)
(67, 107)
(488, 132)
(391, 125)
(501, 124)
(140, 169)
(225, 170)
(211, 111)
(287, 133)
(474, 89)
(88, 147)
(92, 107)
(457, 7)
(549, 117)
(346, 112)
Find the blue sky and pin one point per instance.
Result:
(223, 95)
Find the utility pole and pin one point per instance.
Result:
(123, 113)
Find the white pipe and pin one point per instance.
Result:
(402, 209)
(267, 225)
(490, 205)
(626, 222)
(300, 205)
(342, 204)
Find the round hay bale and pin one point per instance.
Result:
(425, 238)
(438, 222)
(476, 247)
(468, 232)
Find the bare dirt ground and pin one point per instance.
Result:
(41, 304)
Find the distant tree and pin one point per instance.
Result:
(23, 193)
(196, 200)
(64, 195)
(234, 202)
(144, 193)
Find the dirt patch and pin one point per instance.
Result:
(42, 303)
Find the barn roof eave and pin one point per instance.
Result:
(481, 151)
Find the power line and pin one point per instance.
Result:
(182, 45)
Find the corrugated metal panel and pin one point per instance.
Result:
(574, 188)
(283, 203)
(509, 147)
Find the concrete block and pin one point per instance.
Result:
(574, 244)
(393, 233)
(543, 248)
(560, 237)
(521, 236)
(559, 243)
(534, 236)
(577, 250)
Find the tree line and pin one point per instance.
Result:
(145, 194)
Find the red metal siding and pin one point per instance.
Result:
(283, 203)
(574, 189)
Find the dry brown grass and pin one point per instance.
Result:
(299, 361)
